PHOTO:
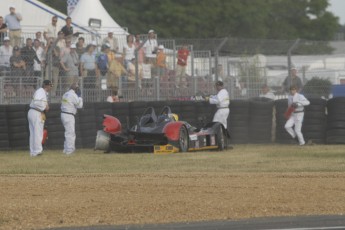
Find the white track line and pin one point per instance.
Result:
(316, 228)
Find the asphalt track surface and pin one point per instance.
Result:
(272, 223)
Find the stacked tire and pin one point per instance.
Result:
(314, 124)
(55, 128)
(336, 121)
(4, 140)
(136, 109)
(205, 112)
(18, 127)
(188, 112)
(260, 120)
(281, 135)
(238, 121)
(87, 127)
(120, 110)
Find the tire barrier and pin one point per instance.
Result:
(281, 135)
(335, 133)
(55, 128)
(4, 138)
(87, 125)
(249, 121)
(314, 124)
(260, 120)
(136, 109)
(121, 111)
(238, 121)
(204, 112)
(18, 126)
(188, 112)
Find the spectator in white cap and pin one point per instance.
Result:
(112, 41)
(3, 30)
(292, 80)
(6, 51)
(151, 47)
(13, 22)
(161, 61)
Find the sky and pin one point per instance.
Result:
(338, 9)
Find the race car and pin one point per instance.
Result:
(160, 134)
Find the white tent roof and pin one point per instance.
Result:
(87, 9)
(36, 15)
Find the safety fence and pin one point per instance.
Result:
(251, 121)
(245, 65)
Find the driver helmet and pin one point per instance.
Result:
(173, 116)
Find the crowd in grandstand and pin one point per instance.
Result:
(61, 55)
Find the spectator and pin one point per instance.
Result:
(151, 48)
(68, 28)
(18, 66)
(6, 52)
(13, 22)
(61, 42)
(114, 96)
(161, 61)
(39, 37)
(3, 30)
(182, 57)
(53, 68)
(112, 41)
(128, 50)
(102, 60)
(137, 43)
(131, 71)
(80, 46)
(266, 93)
(69, 63)
(38, 66)
(292, 80)
(88, 67)
(67, 48)
(29, 56)
(115, 72)
(52, 29)
(111, 54)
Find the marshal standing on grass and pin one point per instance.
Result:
(36, 116)
(222, 100)
(71, 101)
(296, 103)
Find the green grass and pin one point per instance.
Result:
(242, 159)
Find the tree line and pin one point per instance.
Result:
(262, 19)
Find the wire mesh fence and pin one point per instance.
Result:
(181, 69)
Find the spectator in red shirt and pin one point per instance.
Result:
(182, 56)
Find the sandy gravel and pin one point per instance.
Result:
(41, 201)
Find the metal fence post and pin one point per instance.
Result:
(216, 54)
(157, 88)
(2, 90)
(289, 58)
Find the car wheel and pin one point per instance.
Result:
(221, 139)
(183, 139)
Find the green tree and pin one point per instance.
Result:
(273, 19)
